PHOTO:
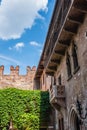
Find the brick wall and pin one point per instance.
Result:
(16, 80)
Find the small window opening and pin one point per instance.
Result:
(54, 80)
(86, 34)
(43, 79)
(75, 58)
(59, 80)
(68, 65)
(61, 124)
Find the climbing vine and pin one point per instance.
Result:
(27, 109)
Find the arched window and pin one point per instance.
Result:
(74, 121)
(68, 65)
(75, 58)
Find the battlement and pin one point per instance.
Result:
(12, 68)
(2, 67)
(15, 80)
(15, 70)
(1, 70)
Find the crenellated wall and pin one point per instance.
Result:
(25, 82)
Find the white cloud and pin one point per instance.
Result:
(34, 43)
(19, 45)
(18, 15)
(3, 57)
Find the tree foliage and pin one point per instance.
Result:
(27, 109)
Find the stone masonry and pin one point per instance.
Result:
(15, 80)
(62, 69)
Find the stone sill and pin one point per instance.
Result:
(76, 69)
(69, 77)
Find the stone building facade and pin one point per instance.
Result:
(25, 82)
(62, 69)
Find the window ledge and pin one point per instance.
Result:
(69, 77)
(76, 69)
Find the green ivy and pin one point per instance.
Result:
(27, 109)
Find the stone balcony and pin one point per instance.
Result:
(57, 96)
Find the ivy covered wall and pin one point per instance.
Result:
(26, 109)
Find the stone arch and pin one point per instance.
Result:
(74, 120)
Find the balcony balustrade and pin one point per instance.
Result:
(57, 95)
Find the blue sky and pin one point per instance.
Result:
(23, 30)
